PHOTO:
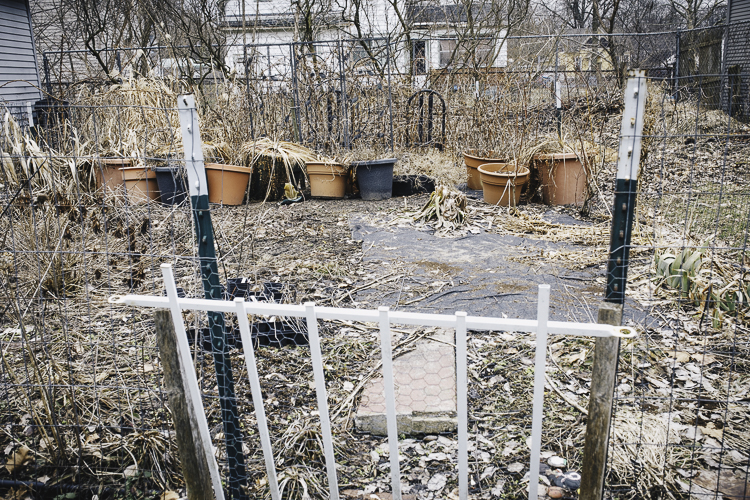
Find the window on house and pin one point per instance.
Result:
(419, 57)
(363, 60)
(469, 53)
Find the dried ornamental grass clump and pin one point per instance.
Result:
(642, 449)
(445, 210)
(275, 163)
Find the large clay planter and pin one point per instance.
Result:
(563, 178)
(502, 183)
(108, 172)
(327, 180)
(472, 162)
(227, 183)
(140, 184)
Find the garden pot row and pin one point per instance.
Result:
(563, 178)
(226, 183)
(374, 178)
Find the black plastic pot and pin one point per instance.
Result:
(407, 185)
(180, 292)
(203, 337)
(375, 178)
(171, 185)
(277, 334)
(278, 292)
(263, 333)
(237, 287)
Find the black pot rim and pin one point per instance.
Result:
(373, 163)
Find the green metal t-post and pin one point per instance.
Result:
(196, 175)
(607, 349)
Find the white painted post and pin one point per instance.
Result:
(260, 412)
(29, 114)
(542, 314)
(193, 395)
(192, 146)
(320, 392)
(390, 401)
(462, 407)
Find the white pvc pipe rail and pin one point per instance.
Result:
(384, 317)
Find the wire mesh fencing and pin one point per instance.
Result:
(83, 406)
(356, 94)
(681, 414)
(83, 218)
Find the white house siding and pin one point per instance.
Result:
(275, 26)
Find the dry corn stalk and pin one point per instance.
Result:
(446, 207)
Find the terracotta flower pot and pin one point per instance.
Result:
(563, 178)
(502, 183)
(140, 184)
(108, 172)
(472, 162)
(227, 183)
(327, 180)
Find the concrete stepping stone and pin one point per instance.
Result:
(425, 386)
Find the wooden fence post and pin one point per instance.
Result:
(601, 396)
(195, 470)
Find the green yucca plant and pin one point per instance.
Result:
(678, 271)
(711, 290)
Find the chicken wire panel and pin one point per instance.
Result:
(680, 424)
(499, 427)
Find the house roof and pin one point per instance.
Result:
(444, 14)
(273, 20)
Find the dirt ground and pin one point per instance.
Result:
(94, 369)
(374, 257)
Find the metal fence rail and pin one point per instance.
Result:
(542, 327)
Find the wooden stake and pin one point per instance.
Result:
(603, 377)
(192, 455)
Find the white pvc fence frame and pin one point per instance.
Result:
(542, 327)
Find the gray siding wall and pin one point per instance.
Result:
(17, 55)
(737, 60)
(737, 49)
(739, 10)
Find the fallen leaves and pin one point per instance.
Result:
(733, 487)
(169, 495)
(437, 482)
(19, 458)
(710, 430)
